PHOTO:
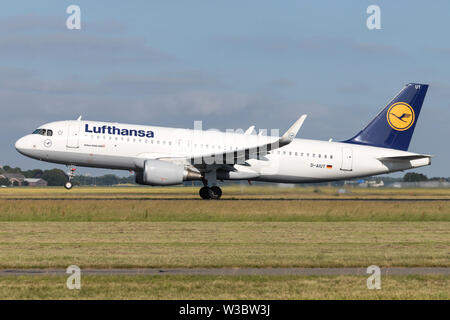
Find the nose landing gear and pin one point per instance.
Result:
(68, 185)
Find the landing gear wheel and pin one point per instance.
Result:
(205, 193)
(70, 174)
(68, 185)
(216, 191)
(210, 193)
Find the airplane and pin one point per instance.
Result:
(162, 156)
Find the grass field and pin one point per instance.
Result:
(224, 287)
(229, 192)
(142, 228)
(223, 244)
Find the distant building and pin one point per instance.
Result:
(422, 184)
(36, 182)
(14, 178)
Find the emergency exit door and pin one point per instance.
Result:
(73, 135)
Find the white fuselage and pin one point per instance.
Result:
(107, 145)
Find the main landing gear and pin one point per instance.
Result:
(213, 193)
(68, 185)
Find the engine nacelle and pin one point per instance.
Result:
(164, 173)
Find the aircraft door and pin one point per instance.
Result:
(347, 159)
(73, 135)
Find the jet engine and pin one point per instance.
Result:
(164, 173)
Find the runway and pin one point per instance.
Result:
(396, 271)
(234, 199)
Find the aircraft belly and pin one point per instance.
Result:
(91, 160)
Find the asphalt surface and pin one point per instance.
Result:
(243, 199)
(233, 271)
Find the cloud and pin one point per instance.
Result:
(32, 23)
(284, 46)
(47, 39)
(354, 88)
(27, 98)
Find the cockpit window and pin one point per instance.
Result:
(43, 132)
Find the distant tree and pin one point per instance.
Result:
(35, 173)
(414, 177)
(128, 180)
(15, 183)
(441, 179)
(9, 169)
(107, 180)
(82, 180)
(54, 177)
(4, 182)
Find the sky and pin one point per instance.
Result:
(231, 64)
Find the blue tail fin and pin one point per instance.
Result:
(394, 125)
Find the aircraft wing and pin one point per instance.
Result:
(243, 154)
(239, 156)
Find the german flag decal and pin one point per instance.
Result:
(329, 166)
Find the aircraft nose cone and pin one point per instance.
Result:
(20, 144)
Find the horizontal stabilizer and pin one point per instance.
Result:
(406, 158)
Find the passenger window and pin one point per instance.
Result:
(331, 157)
(49, 133)
(296, 154)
